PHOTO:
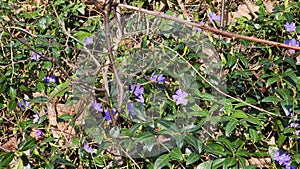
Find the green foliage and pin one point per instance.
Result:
(266, 77)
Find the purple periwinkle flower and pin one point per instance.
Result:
(288, 166)
(294, 125)
(297, 132)
(87, 148)
(97, 106)
(290, 27)
(36, 118)
(24, 106)
(140, 99)
(180, 97)
(137, 90)
(199, 29)
(214, 17)
(39, 133)
(292, 42)
(157, 78)
(130, 108)
(107, 114)
(282, 158)
(89, 40)
(34, 56)
(49, 79)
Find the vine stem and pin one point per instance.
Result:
(112, 61)
(208, 28)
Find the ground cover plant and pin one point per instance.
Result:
(149, 84)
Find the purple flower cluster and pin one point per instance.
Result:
(24, 105)
(39, 133)
(87, 148)
(49, 79)
(138, 91)
(157, 78)
(107, 114)
(292, 42)
(180, 97)
(214, 17)
(290, 27)
(97, 106)
(294, 124)
(199, 29)
(36, 118)
(283, 159)
(35, 56)
(89, 40)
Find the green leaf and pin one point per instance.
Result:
(243, 153)
(290, 77)
(114, 131)
(253, 134)
(148, 139)
(231, 125)
(242, 161)
(193, 157)
(231, 60)
(176, 154)
(60, 90)
(281, 139)
(297, 158)
(12, 93)
(271, 99)
(228, 162)
(170, 126)
(27, 144)
(215, 149)
(6, 158)
(65, 162)
(161, 161)
(12, 105)
(239, 114)
(260, 154)
(272, 80)
(65, 117)
(40, 99)
(227, 144)
(284, 93)
(254, 121)
(195, 142)
(218, 163)
(205, 165)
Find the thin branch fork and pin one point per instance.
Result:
(208, 28)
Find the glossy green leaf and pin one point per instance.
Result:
(215, 149)
(27, 144)
(239, 114)
(231, 125)
(229, 162)
(271, 99)
(161, 161)
(205, 165)
(6, 158)
(253, 134)
(272, 80)
(193, 157)
(176, 154)
(227, 144)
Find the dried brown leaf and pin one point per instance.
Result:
(269, 5)
(247, 10)
(10, 145)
